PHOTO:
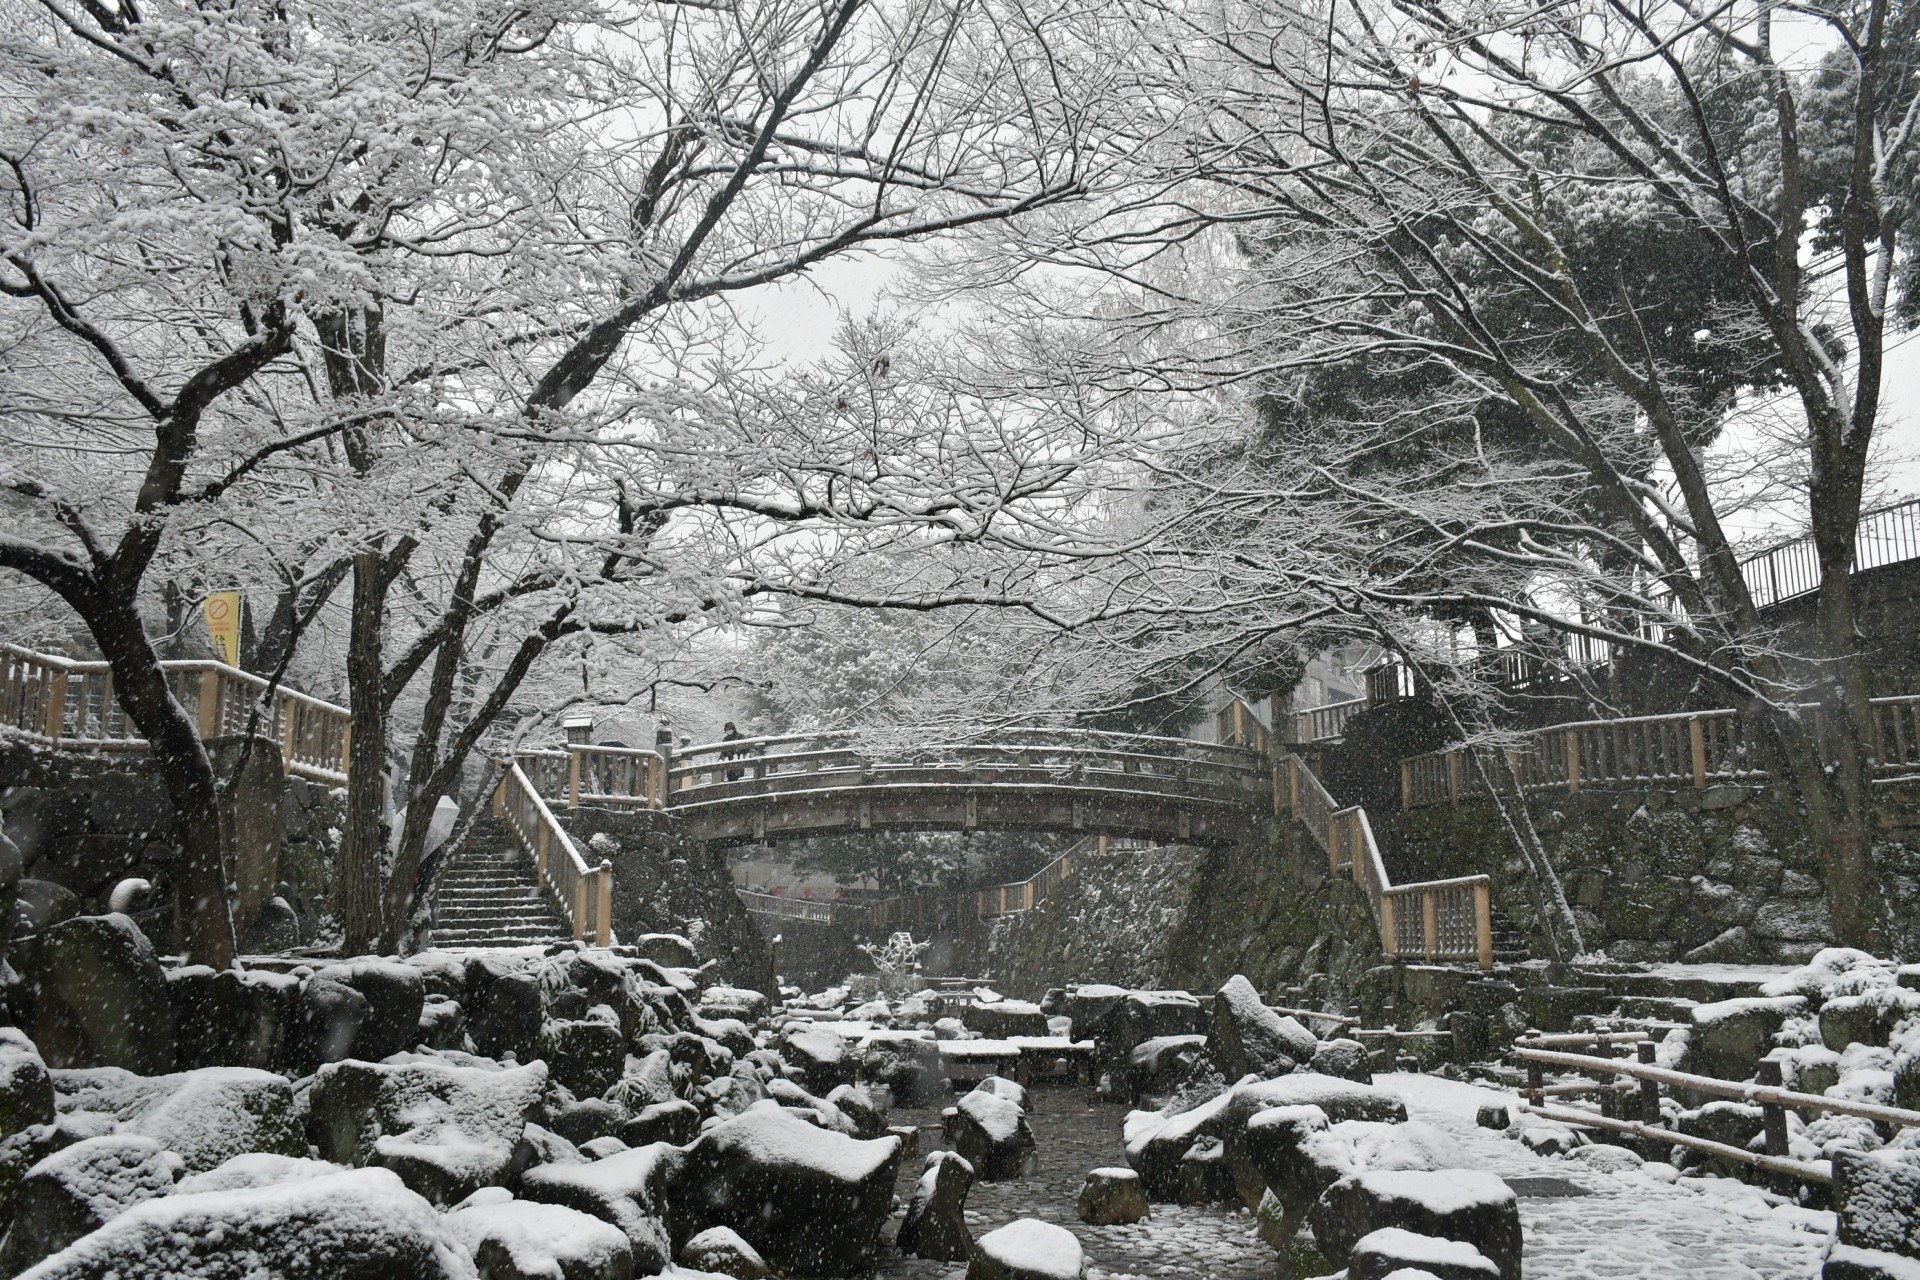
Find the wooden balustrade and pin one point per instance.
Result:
(1433, 920)
(1318, 724)
(589, 774)
(70, 705)
(1237, 725)
(584, 894)
(1689, 749)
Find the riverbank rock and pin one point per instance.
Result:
(721, 1251)
(78, 1190)
(936, 1223)
(359, 1224)
(1390, 1250)
(395, 993)
(776, 1180)
(100, 997)
(1112, 1197)
(992, 1134)
(520, 1240)
(26, 1087)
(1027, 1249)
(1249, 1038)
(627, 1190)
(1452, 1204)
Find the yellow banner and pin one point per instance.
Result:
(222, 609)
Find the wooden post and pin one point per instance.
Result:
(1406, 784)
(1027, 895)
(500, 800)
(1536, 1082)
(1430, 923)
(1293, 785)
(289, 711)
(1573, 761)
(1389, 936)
(1453, 778)
(579, 908)
(1483, 924)
(1649, 1089)
(346, 741)
(210, 704)
(1773, 1116)
(540, 850)
(55, 721)
(1697, 733)
(573, 779)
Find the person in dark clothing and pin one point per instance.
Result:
(731, 734)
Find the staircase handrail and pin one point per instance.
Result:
(584, 894)
(1686, 748)
(68, 703)
(1454, 917)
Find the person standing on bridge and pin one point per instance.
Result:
(731, 734)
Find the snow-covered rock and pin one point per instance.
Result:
(206, 1117)
(676, 1122)
(936, 1224)
(1731, 1036)
(100, 997)
(1027, 1249)
(395, 993)
(1112, 1197)
(1251, 1039)
(78, 1190)
(1346, 1059)
(1381, 1253)
(627, 1190)
(908, 1065)
(26, 1089)
(359, 1224)
(776, 1179)
(1876, 1200)
(1002, 1018)
(733, 1002)
(446, 1129)
(720, 1251)
(1453, 1204)
(820, 1057)
(992, 1134)
(520, 1240)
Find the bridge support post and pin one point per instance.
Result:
(1573, 762)
(1483, 924)
(1697, 739)
(573, 779)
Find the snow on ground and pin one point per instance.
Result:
(1633, 1224)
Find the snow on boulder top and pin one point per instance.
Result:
(1098, 991)
(997, 1117)
(535, 1239)
(1707, 1015)
(1834, 971)
(1031, 1248)
(768, 1133)
(1441, 1192)
(1429, 1253)
(257, 1169)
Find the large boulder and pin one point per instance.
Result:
(351, 1225)
(447, 1130)
(992, 1134)
(907, 1065)
(79, 1190)
(26, 1090)
(1876, 1200)
(743, 1003)
(1027, 1249)
(100, 997)
(676, 1122)
(327, 1018)
(232, 1017)
(820, 1058)
(627, 1189)
(209, 1116)
(1454, 1204)
(1112, 1197)
(1347, 1059)
(936, 1223)
(1159, 1066)
(1295, 1154)
(1729, 1037)
(584, 1054)
(720, 1251)
(1003, 1018)
(1249, 1038)
(505, 1019)
(524, 1240)
(776, 1179)
(395, 993)
(1140, 1016)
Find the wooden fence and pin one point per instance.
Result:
(585, 894)
(70, 705)
(1540, 1052)
(603, 777)
(1431, 920)
(1690, 749)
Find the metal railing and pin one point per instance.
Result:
(584, 894)
(1689, 749)
(1434, 919)
(70, 705)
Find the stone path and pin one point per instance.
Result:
(1579, 1224)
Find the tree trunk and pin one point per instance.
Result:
(364, 847)
(203, 917)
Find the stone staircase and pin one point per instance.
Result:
(488, 896)
(1509, 943)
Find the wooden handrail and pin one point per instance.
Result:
(583, 893)
(1434, 919)
(1688, 749)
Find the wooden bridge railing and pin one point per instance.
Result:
(69, 704)
(585, 894)
(1431, 920)
(601, 776)
(1693, 749)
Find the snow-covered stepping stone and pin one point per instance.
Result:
(993, 1134)
(1454, 1204)
(1390, 1250)
(721, 1251)
(1027, 1249)
(1113, 1197)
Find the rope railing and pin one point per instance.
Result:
(1432, 920)
(1687, 749)
(584, 894)
(70, 705)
